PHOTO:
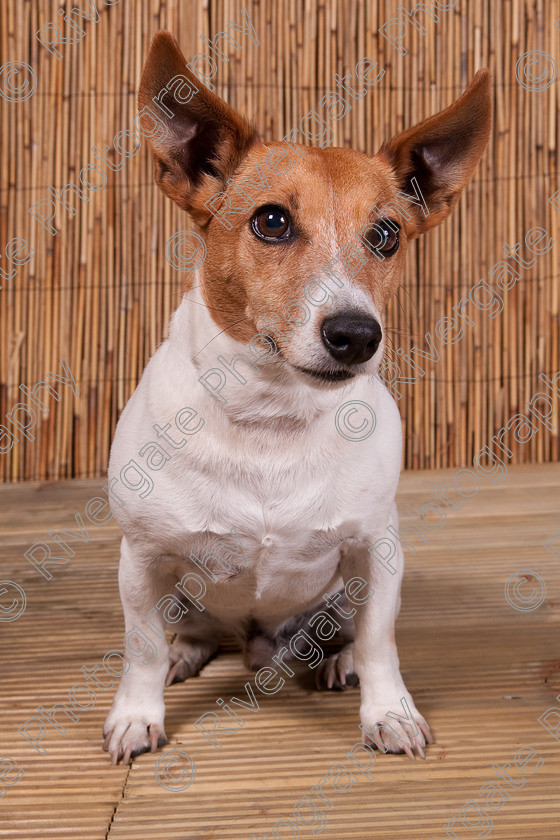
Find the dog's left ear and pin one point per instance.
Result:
(442, 153)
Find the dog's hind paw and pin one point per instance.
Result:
(187, 656)
(337, 671)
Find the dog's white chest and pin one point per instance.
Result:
(290, 495)
(288, 507)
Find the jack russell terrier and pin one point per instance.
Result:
(269, 465)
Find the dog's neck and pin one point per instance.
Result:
(273, 395)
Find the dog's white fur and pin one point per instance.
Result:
(306, 503)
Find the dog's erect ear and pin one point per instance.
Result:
(442, 153)
(204, 139)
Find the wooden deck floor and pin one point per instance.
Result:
(481, 672)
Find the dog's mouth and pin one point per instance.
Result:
(326, 375)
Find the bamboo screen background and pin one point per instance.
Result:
(100, 292)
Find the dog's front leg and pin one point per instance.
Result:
(388, 715)
(135, 722)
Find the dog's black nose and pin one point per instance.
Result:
(351, 337)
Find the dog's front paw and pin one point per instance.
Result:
(132, 730)
(395, 726)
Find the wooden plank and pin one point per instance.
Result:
(480, 671)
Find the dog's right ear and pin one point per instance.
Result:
(204, 140)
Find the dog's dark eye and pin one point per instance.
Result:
(383, 237)
(271, 223)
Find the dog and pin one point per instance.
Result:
(268, 463)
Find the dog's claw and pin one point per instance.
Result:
(425, 730)
(408, 751)
(156, 732)
(107, 738)
(421, 752)
(172, 672)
